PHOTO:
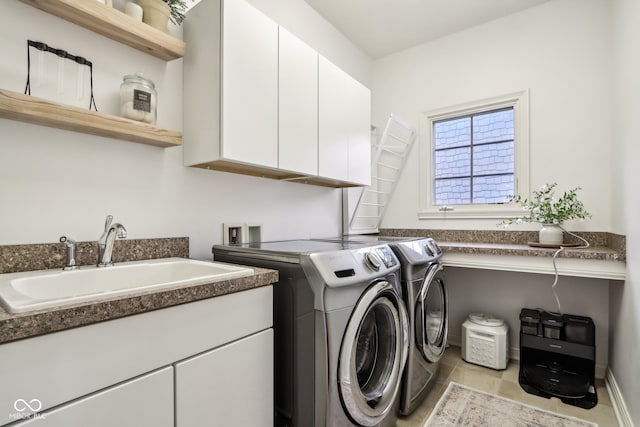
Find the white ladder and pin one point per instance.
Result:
(387, 165)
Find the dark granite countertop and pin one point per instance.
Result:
(603, 246)
(33, 323)
(33, 257)
(602, 253)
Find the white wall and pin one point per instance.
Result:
(625, 300)
(55, 182)
(559, 50)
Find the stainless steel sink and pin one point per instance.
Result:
(34, 290)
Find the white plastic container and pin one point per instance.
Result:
(485, 341)
(138, 98)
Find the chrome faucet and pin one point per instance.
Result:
(71, 263)
(107, 240)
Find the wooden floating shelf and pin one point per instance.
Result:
(272, 173)
(30, 109)
(115, 25)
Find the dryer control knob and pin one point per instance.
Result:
(372, 260)
(428, 250)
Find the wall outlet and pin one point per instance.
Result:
(233, 233)
(254, 233)
(236, 233)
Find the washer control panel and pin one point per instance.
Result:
(372, 260)
(380, 255)
(352, 266)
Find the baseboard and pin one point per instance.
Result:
(620, 408)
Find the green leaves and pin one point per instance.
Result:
(178, 9)
(545, 208)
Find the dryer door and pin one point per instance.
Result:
(373, 354)
(432, 318)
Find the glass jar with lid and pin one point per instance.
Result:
(138, 98)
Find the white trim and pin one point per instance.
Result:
(520, 103)
(619, 407)
(599, 269)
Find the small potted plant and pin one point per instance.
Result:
(550, 211)
(158, 12)
(178, 9)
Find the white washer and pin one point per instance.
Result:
(485, 341)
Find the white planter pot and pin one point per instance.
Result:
(156, 13)
(551, 234)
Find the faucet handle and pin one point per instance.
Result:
(67, 241)
(71, 263)
(107, 222)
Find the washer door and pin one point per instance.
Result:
(373, 354)
(432, 319)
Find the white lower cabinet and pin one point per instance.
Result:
(213, 357)
(144, 401)
(210, 393)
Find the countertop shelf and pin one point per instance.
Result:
(115, 25)
(30, 109)
(595, 262)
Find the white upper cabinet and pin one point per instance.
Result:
(359, 131)
(249, 85)
(333, 150)
(259, 101)
(344, 126)
(298, 105)
(230, 85)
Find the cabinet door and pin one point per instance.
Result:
(229, 386)
(333, 145)
(249, 85)
(298, 106)
(359, 134)
(146, 401)
(344, 126)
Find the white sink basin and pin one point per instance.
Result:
(33, 290)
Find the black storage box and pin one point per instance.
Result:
(558, 361)
(558, 375)
(552, 325)
(530, 322)
(579, 329)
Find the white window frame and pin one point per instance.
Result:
(520, 103)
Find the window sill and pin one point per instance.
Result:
(472, 213)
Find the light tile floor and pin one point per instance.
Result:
(503, 383)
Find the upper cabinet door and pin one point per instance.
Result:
(360, 135)
(333, 148)
(344, 126)
(298, 105)
(249, 85)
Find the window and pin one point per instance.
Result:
(476, 158)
